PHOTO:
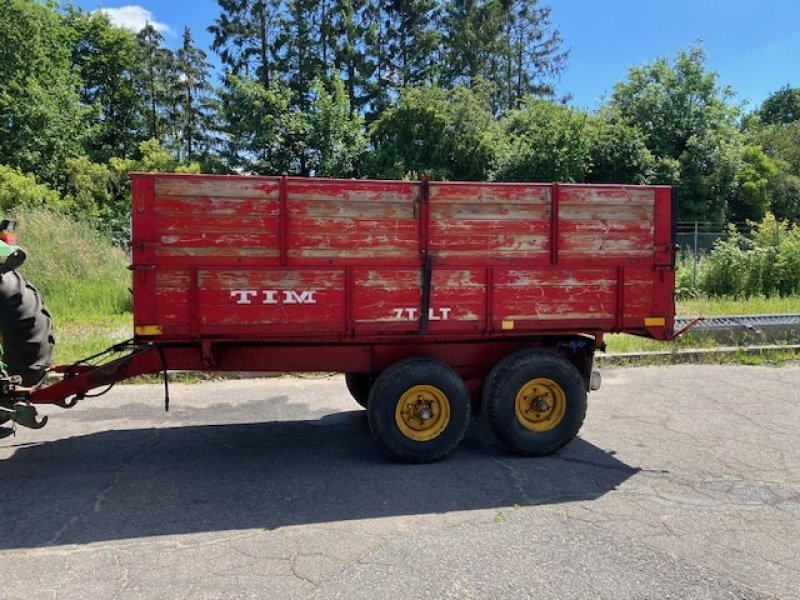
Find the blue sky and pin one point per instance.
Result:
(753, 46)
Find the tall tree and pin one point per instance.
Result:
(157, 69)
(336, 139)
(472, 34)
(781, 107)
(689, 126)
(531, 54)
(111, 64)
(412, 41)
(40, 116)
(194, 102)
(301, 64)
(248, 37)
(352, 32)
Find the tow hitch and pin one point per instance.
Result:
(15, 407)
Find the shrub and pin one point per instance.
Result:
(764, 263)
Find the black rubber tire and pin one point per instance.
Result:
(508, 377)
(389, 388)
(359, 385)
(26, 329)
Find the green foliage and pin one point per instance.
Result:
(545, 141)
(336, 138)
(781, 143)
(113, 74)
(193, 104)
(689, 127)
(40, 116)
(23, 191)
(751, 199)
(446, 134)
(767, 262)
(619, 153)
(781, 107)
(264, 135)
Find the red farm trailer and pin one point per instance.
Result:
(431, 297)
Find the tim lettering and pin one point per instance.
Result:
(274, 296)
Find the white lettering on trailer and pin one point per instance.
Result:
(244, 296)
(434, 314)
(275, 296)
(304, 297)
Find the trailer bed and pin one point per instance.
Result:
(272, 259)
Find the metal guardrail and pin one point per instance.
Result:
(745, 329)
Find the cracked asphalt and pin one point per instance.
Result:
(684, 483)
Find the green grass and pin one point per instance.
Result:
(84, 280)
(708, 307)
(703, 307)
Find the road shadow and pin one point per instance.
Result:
(162, 481)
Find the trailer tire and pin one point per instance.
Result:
(535, 401)
(359, 385)
(26, 329)
(419, 410)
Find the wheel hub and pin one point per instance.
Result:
(422, 413)
(540, 405)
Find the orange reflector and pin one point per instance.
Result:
(507, 325)
(655, 321)
(147, 330)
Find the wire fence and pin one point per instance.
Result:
(697, 238)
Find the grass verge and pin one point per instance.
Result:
(84, 280)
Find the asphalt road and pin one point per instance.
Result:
(684, 483)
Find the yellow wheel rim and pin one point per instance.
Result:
(422, 413)
(540, 405)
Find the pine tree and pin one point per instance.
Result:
(158, 64)
(351, 34)
(194, 100)
(247, 37)
(412, 41)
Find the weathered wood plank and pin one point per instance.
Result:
(616, 195)
(215, 225)
(351, 210)
(480, 193)
(496, 212)
(198, 207)
(224, 187)
(607, 212)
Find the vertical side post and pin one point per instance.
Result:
(555, 197)
(283, 221)
(427, 262)
(619, 317)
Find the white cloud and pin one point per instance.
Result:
(135, 18)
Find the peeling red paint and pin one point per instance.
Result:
(219, 256)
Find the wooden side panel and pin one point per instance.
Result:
(597, 222)
(276, 301)
(269, 258)
(489, 222)
(526, 297)
(213, 219)
(390, 300)
(347, 220)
